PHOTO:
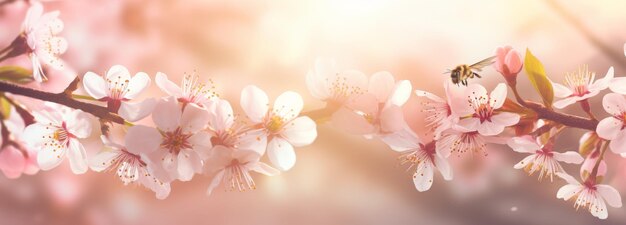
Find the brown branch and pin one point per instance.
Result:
(63, 99)
(562, 118)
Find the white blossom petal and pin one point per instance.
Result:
(142, 139)
(167, 86)
(288, 105)
(254, 103)
(568, 157)
(94, 85)
(135, 111)
(77, 157)
(166, 114)
(300, 131)
(281, 154)
(381, 85)
(610, 195)
(137, 84)
(194, 119)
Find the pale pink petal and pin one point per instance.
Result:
(618, 85)
(12, 162)
(103, 160)
(77, 123)
(568, 157)
(598, 209)
(218, 160)
(48, 158)
(469, 124)
(618, 144)
(352, 122)
(363, 104)
(568, 191)
(137, 85)
(391, 119)
(401, 93)
(498, 95)
(561, 91)
(444, 167)
(281, 154)
(194, 118)
(300, 131)
(513, 61)
(254, 103)
(77, 157)
(201, 142)
(559, 104)
(524, 144)
(167, 86)
(264, 169)
(423, 177)
(161, 189)
(525, 162)
(215, 181)
(429, 95)
(603, 83)
(166, 114)
(610, 195)
(36, 133)
(135, 111)
(490, 128)
(609, 128)
(381, 85)
(614, 103)
(94, 85)
(505, 119)
(402, 140)
(568, 178)
(185, 167)
(254, 140)
(32, 15)
(288, 105)
(118, 72)
(221, 115)
(142, 139)
(501, 54)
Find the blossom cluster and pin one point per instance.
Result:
(191, 130)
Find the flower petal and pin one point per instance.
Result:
(568, 157)
(254, 103)
(281, 154)
(401, 93)
(12, 162)
(568, 178)
(264, 169)
(201, 142)
(135, 111)
(498, 96)
(429, 95)
(604, 82)
(423, 177)
(94, 85)
(402, 140)
(444, 167)
(609, 128)
(215, 181)
(618, 85)
(618, 144)
(525, 162)
(221, 116)
(381, 85)
(524, 144)
(351, 122)
(194, 118)
(185, 167)
(77, 123)
(610, 195)
(167, 86)
(49, 157)
(288, 105)
(166, 114)
(77, 157)
(568, 191)
(505, 119)
(137, 85)
(614, 103)
(561, 91)
(103, 160)
(300, 131)
(142, 139)
(559, 104)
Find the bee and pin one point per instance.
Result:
(461, 73)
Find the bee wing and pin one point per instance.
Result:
(447, 71)
(485, 62)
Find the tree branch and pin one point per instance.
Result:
(565, 119)
(63, 99)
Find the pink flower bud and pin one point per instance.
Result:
(590, 162)
(508, 63)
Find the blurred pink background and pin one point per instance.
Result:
(340, 179)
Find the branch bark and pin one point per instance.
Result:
(565, 119)
(63, 99)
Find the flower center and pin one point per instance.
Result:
(176, 140)
(61, 135)
(238, 177)
(196, 92)
(340, 89)
(117, 87)
(275, 123)
(579, 82)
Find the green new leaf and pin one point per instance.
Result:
(539, 80)
(15, 74)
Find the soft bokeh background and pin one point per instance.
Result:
(340, 179)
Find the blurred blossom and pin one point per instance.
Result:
(508, 63)
(580, 85)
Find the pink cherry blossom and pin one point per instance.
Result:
(232, 167)
(542, 158)
(226, 132)
(612, 128)
(116, 88)
(378, 111)
(590, 162)
(40, 30)
(459, 141)
(179, 141)
(441, 116)
(15, 157)
(589, 195)
(580, 86)
(508, 63)
(328, 84)
(423, 157)
(130, 167)
(480, 113)
(191, 89)
(279, 123)
(56, 134)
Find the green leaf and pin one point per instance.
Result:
(15, 74)
(5, 108)
(539, 80)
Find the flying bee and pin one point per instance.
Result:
(461, 73)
